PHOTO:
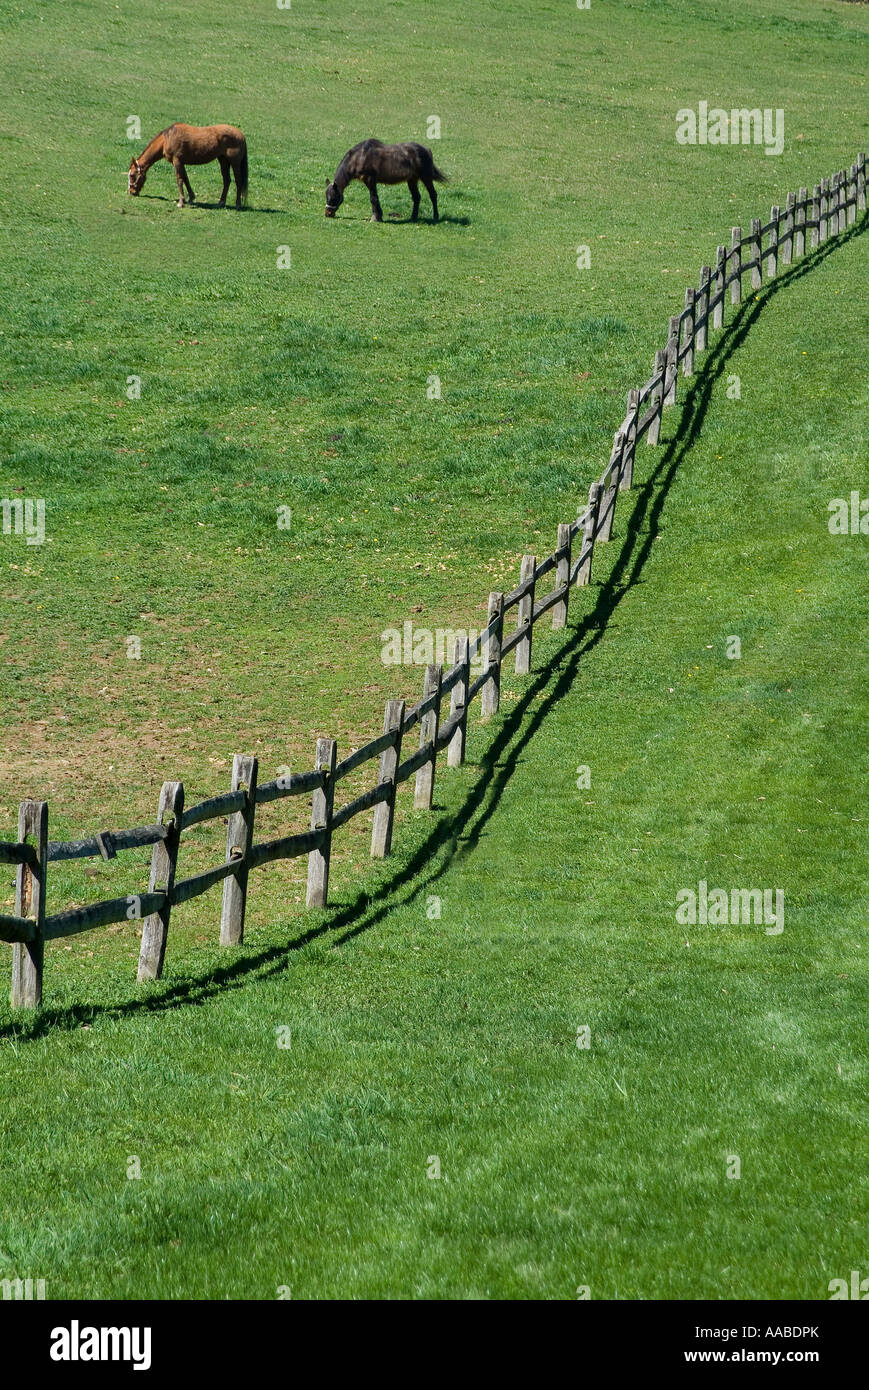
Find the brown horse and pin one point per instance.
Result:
(373, 162)
(193, 144)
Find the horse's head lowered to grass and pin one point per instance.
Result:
(136, 179)
(334, 198)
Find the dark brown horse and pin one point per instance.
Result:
(193, 144)
(373, 162)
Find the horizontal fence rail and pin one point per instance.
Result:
(805, 222)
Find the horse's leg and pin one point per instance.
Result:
(413, 185)
(224, 169)
(430, 189)
(181, 177)
(376, 209)
(190, 196)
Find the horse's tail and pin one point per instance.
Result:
(241, 174)
(427, 163)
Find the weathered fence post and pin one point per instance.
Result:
(317, 894)
(384, 811)
(688, 333)
(583, 573)
(428, 734)
(772, 245)
(239, 839)
(718, 282)
(30, 886)
(815, 232)
(756, 257)
(164, 858)
(833, 207)
(839, 183)
(788, 238)
(563, 548)
(800, 225)
(608, 505)
(824, 208)
(490, 697)
(735, 266)
(861, 183)
(703, 310)
(852, 196)
(672, 362)
(626, 473)
(525, 616)
(459, 703)
(654, 431)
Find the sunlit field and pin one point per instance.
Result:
(231, 419)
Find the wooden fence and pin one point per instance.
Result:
(804, 223)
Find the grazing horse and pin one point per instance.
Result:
(194, 144)
(373, 162)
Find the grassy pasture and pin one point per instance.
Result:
(415, 1036)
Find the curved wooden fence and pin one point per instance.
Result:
(804, 223)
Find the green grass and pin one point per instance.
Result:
(415, 1036)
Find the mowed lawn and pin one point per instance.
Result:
(432, 1013)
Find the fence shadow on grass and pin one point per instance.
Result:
(458, 834)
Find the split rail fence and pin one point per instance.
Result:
(803, 224)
